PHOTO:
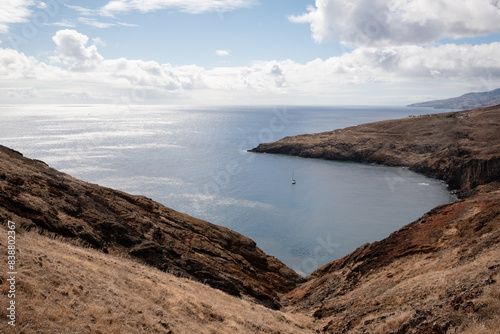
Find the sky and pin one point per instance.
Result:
(247, 52)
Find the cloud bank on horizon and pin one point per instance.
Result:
(389, 51)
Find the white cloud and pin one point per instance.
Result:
(83, 11)
(15, 65)
(188, 6)
(71, 46)
(145, 6)
(222, 53)
(14, 11)
(152, 75)
(398, 22)
(102, 25)
(94, 23)
(98, 41)
(64, 23)
(78, 73)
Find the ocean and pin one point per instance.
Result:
(194, 159)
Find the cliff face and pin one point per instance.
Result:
(32, 194)
(461, 148)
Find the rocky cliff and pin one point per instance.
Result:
(461, 148)
(32, 194)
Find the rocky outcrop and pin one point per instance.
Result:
(35, 195)
(461, 148)
(466, 101)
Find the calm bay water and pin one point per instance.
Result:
(194, 160)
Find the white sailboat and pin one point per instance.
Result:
(293, 178)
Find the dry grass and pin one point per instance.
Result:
(424, 282)
(66, 288)
(63, 288)
(393, 323)
(487, 319)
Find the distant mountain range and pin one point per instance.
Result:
(467, 101)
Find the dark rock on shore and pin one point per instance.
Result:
(35, 195)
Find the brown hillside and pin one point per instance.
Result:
(65, 289)
(32, 194)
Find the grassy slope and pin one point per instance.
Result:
(63, 288)
(35, 195)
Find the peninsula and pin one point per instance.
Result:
(460, 148)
